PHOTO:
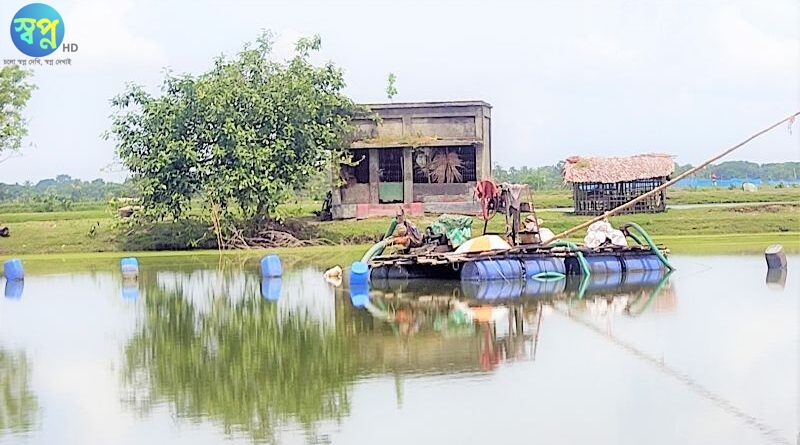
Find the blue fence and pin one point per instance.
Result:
(736, 182)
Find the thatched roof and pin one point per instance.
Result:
(618, 169)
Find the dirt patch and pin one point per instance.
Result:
(770, 208)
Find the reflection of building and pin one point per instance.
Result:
(600, 184)
(424, 156)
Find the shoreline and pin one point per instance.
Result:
(691, 245)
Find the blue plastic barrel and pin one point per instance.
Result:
(359, 273)
(379, 273)
(604, 264)
(271, 288)
(271, 266)
(492, 290)
(359, 293)
(12, 269)
(643, 262)
(494, 269)
(129, 266)
(14, 288)
(535, 266)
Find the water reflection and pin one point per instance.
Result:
(435, 326)
(776, 278)
(210, 347)
(18, 404)
(14, 288)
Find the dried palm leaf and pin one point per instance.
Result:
(445, 168)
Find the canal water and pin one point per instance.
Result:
(201, 351)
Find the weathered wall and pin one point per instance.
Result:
(447, 124)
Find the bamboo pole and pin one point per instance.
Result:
(667, 184)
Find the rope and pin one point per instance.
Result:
(630, 203)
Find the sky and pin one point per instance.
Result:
(564, 77)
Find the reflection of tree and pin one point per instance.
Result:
(238, 363)
(18, 404)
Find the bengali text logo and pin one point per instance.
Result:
(37, 30)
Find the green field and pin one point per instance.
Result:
(683, 230)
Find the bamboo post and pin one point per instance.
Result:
(667, 184)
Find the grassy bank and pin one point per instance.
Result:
(84, 231)
(90, 227)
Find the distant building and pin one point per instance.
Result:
(425, 157)
(600, 184)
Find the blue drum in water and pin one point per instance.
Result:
(129, 267)
(271, 266)
(492, 269)
(547, 265)
(359, 273)
(642, 263)
(12, 269)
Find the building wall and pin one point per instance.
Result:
(445, 124)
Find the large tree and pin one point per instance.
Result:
(15, 91)
(241, 136)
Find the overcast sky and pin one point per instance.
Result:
(564, 77)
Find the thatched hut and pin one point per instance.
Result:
(600, 184)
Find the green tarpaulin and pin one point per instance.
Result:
(457, 228)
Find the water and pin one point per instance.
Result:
(707, 355)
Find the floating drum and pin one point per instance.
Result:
(14, 288)
(642, 263)
(129, 267)
(486, 270)
(271, 266)
(776, 257)
(271, 288)
(12, 269)
(604, 264)
(359, 273)
(539, 266)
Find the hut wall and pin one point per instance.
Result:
(595, 198)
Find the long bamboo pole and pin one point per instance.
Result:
(667, 184)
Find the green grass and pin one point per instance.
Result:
(67, 232)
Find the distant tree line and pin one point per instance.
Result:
(781, 171)
(549, 177)
(63, 190)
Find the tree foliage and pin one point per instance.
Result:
(64, 187)
(242, 135)
(391, 89)
(19, 407)
(237, 359)
(15, 91)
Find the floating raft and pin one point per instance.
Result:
(519, 263)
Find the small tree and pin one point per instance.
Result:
(15, 91)
(242, 135)
(391, 90)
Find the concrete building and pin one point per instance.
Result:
(425, 157)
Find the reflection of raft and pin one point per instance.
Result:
(532, 288)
